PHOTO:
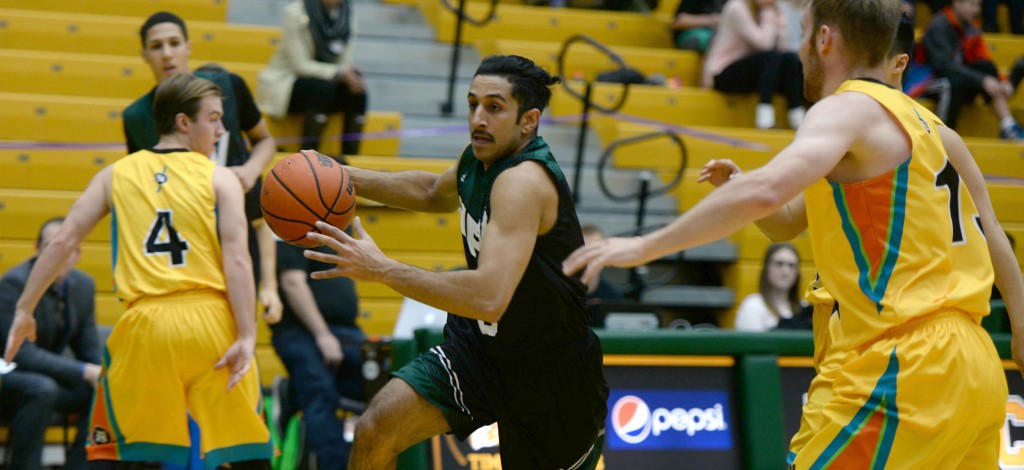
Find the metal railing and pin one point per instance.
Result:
(585, 97)
(637, 274)
(460, 12)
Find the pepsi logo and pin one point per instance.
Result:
(631, 419)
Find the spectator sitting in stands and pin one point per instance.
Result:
(954, 48)
(46, 380)
(778, 295)
(312, 72)
(990, 8)
(695, 23)
(320, 345)
(750, 53)
(599, 290)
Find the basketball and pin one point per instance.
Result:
(303, 188)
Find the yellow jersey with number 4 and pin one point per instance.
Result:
(164, 224)
(903, 244)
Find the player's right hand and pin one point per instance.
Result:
(719, 172)
(23, 327)
(238, 359)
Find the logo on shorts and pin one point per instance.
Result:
(631, 419)
(100, 436)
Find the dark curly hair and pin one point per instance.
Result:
(529, 82)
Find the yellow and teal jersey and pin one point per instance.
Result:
(164, 224)
(903, 244)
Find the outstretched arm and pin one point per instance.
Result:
(419, 191)
(819, 145)
(784, 224)
(91, 206)
(1008, 277)
(523, 205)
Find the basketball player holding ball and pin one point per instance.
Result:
(186, 340)
(517, 348)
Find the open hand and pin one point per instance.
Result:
(238, 359)
(619, 252)
(358, 259)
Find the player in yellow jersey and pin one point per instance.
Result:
(897, 242)
(789, 221)
(186, 340)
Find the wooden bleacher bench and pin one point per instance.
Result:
(288, 132)
(78, 119)
(542, 23)
(994, 157)
(191, 10)
(92, 75)
(584, 59)
(689, 106)
(91, 34)
(1005, 49)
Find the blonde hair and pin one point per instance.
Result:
(180, 93)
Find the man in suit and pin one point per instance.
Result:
(46, 380)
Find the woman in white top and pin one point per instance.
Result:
(751, 52)
(312, 72)
(778, 295)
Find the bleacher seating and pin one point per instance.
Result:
(94, 75)
(541, 23)
(584, 61)
(88, 34)
(197, 10)
(80, 119)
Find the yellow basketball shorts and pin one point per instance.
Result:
(827, 360)
(158, 370)
(928, 394)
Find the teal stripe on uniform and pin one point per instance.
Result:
(113, 243)
(118, 437)
(149, 452)
(239, 453)
(875, 288)
(882, 399)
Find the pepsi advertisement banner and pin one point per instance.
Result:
(671, 416)
(652, 419)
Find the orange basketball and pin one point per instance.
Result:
(303, 188)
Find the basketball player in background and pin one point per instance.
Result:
(166, 49)
(517, 347)
(923, 386)
(186, 339)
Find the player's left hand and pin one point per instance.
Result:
(719, 172)
(246, 175)
(619, 252)
(1017, 352)
(358, 259)
(238, 359)
(272, 306)
(23, 327)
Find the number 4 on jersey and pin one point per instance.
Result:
(163, 238)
